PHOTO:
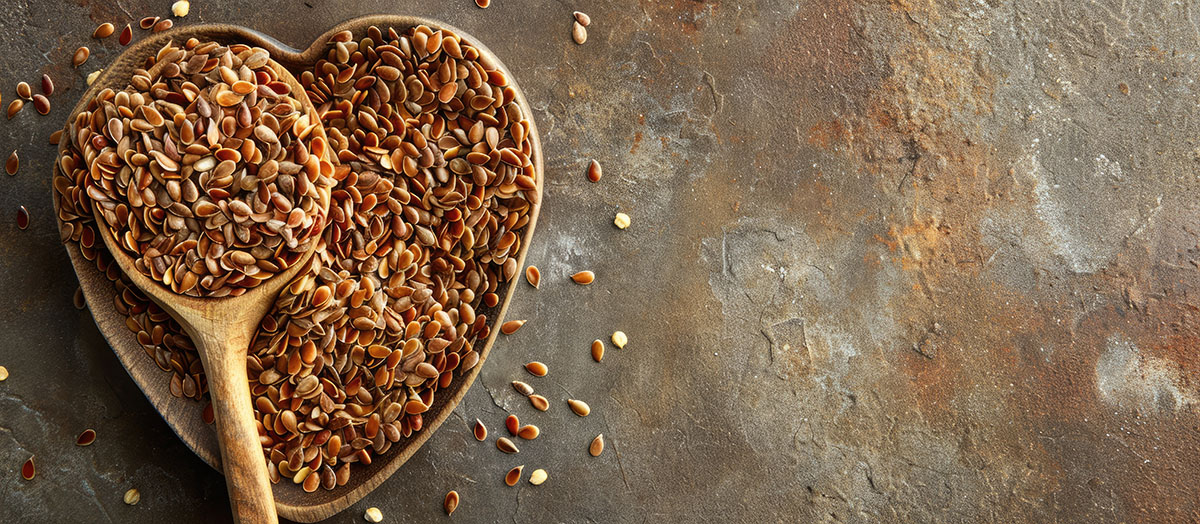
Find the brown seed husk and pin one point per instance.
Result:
(579, 407)
(539, 402)
(513, 476)
(451, 502)
(12, 164)
(104, 30)
(582, 18)
(148, 22)
(81, 55)
(78, 300)
(522, 388)
(24, 91)
(41, 104)
(537, 369)
(597, 446)
(86, 438)
(511, 326)
(56, 137)
(529, 432)
(14, 107)
(126, 35)
(483, 3)
(594, 172)
(28, 471)
(533, 276)
(163, 25)
(578, 33)
(506, 445)
(480, 431)
(584, 277)
(47, 85)
(597, 350)
(512, 424)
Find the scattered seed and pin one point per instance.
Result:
(511, 326)
(14, 107)
(163, 25)
(506, 445)
(594, 172)
(621, 220)
(12, 164)
(451, 502)
(533, 276)
(539, 402)
(529, 432)
(207, 415)
(480, 431)
(373, 515)
(24, 91)
(104, 30)
(27, 470)
(22, 217)
(579, 33)
(81, 56)
(537, 477)
(512, 424)
(47, 85)
(92, 76)
(133, 496)
(56, 137)
(597, 445)
(584, 277)
(597, 350)
(41, 103)
(619, 339)
(78, 299)
(579, 407)
(126, 35)
(86, 438)
(181, 8)
(483, 3)
(582, 17)
(522, 388)
(537, 369)
(513, 476)
(148, 22)
(3, 373)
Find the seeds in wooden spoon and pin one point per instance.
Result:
(41, 104)
(27, 469)
(506, 445)
(126, 35)
(148, 22)
(539, 402)
(537, 369)
(513, 476)
(12, 164)
(86, 438)
(597, 350)
(480, 431)
(81, 55)
(3, 373)
(578, 33)
(24, 91)
(451, 502)
(597, 446)
(511, 326)
(522, 388)
(104, 30)
(47, 85)
(533, 276)
(14, 107)
(311, 482)
(594, 172)
(529, 432)
(181, 8)
(621, 220)
(512, 424)
(619, 339)
(584, 277)
(163, 25)
(538, 477)
(483, 3)
(582, 18)
(373, 515)
(22, 217)
(579, 407)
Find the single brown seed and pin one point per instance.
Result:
(513, 476)
(104, 30)
(12, 164)
(512, 424)
(41, 103)
(47, 85)
(579, 407)
(81, 56)
(148, 22)
(537, 369)
(22, 217)
(584, 277)
(597, 445)
(537, 477)
(582, 17)
(511, 326)
(597, 350)
(14, 107)
(27, 470)
(483, 3)
(163, 25)
(24, 91)
(126, 35)
(579, 33)
(56, 137)
(480, 431)
(133, 496)
(522, 388)
(451, 502)
(86, 438)
(539, 402)
(506, 445)
(533, 276)
(594, 172)
(78, 299)
(3, 373)
(529, 432)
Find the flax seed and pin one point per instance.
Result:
(511, 326)
(451, 502)
(594, 172)
(597, 350)
(81, 55)
(86, 438)
(597, 446)
(513, 476)
(480, 431)
(506, 445)
(584, 277)
(539, 402)
(533, 276)
(104, 30)
(579, 407)
(537, 369)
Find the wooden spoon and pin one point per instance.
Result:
(184, 415)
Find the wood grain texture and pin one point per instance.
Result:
(184, 416)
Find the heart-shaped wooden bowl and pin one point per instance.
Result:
(185, 415)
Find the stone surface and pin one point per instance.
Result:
(890, 261)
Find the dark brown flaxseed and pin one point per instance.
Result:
(513, 476)
(480, 431)
(81, 55)
(41, 104)
(594, 171)
(104, 30)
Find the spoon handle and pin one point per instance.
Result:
(224, 357)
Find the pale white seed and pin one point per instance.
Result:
(537, 477)
(181, 8)
(373, 515)
(619, 339)
(92, 76)
(133, 496)
(622, 220)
